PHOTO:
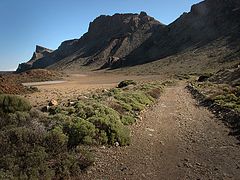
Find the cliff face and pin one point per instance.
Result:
(130, 39)
(108, 38)
(206, 22)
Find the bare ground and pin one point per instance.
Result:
(77, 84)
(176, 139)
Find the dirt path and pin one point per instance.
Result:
(176, 139)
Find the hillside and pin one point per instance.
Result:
(205, 39)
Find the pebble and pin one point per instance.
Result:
(103, 147)
(162, 143)
(149, 129)
(116, 144)
(198, 164)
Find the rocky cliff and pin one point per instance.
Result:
(206, 22)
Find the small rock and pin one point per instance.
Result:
(198, 164)
(53, 102)
(89, 172)
(104, 90)
(149, 129)
(116, 144)
(71, 103)
(162, 143)
(103, 147)
(123, 168)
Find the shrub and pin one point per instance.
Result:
(69, 165)
(128, 120)
(120, 106)
(126, 83)
(11, 104)
(14, 119)
(137, 100)
(55, 110)
(56, 140)
(80, 132)
(114, 129)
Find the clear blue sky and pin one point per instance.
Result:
(25, 23)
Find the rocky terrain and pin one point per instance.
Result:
(227, 76)
(11, 83)
(207, 35)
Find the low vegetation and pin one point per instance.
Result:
(37, 145)
(222, 94)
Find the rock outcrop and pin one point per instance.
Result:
(39, 53)
(227, 76)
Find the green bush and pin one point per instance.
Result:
(114, 129)
(11, 104)
(80, 132)
(128, 120)
(56, 141)
(14, 119)
(137, 100)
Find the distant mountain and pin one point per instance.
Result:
(131, 39)
(109, 38)
(39, 53)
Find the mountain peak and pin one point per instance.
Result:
(40, 49)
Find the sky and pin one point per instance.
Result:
(27, 23)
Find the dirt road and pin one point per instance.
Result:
(176, 139)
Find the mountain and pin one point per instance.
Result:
(207, 22)
(108, 39)
(205, 37)
(39, 53)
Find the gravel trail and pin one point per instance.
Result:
(176, 139)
